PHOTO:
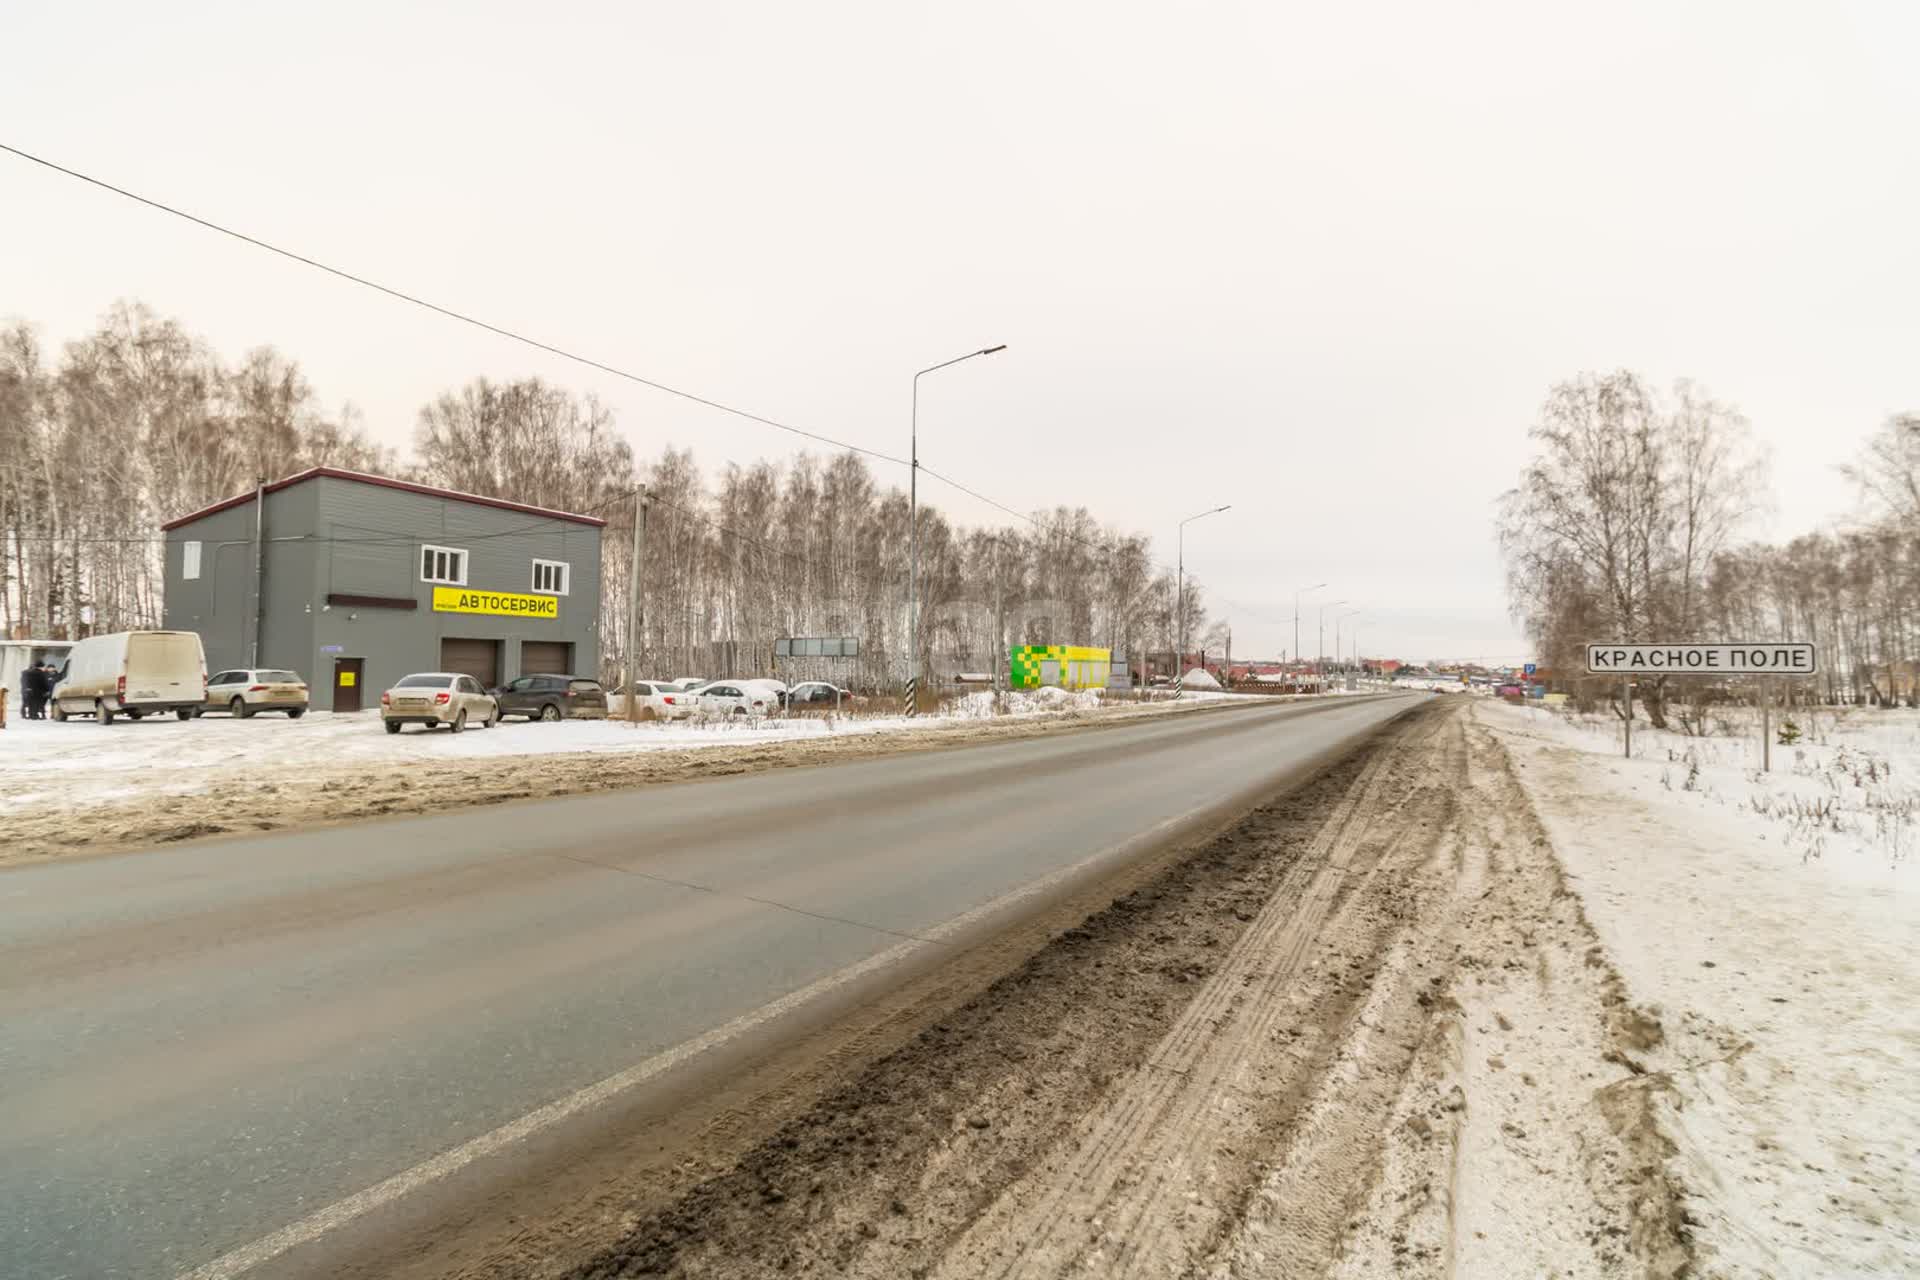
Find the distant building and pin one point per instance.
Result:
(362, 579)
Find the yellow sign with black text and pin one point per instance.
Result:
(467, 600)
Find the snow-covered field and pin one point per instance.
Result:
(1769, 920)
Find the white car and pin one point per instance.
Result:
(659, 700)
(242, 692)
(736, 698)
(435, 698)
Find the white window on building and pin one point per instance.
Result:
(550, 577)
(443, 564)
(190, 560)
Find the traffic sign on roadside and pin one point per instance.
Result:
(1768, 658)
(1772, 658)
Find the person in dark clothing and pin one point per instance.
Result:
(33, 691)
(49, 679)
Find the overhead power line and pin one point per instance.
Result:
(524, 339)
(449, 312)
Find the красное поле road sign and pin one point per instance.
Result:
(1770, 659)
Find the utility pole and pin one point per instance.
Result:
(1339, 654)
(913, 519)
(1296, 616)
(633, 602)
(999, 618)
(259, 571)
(1320, 649)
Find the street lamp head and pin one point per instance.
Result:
(1228, 507)
(990, 350)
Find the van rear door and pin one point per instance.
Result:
(164, 666)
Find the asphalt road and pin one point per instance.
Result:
(202, 1045)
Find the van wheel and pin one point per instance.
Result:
(239, 709)
(59, 713)
(101, 715)
(184, 713)
(393, 726)
(460, 721)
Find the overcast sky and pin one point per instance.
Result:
(1320, 262)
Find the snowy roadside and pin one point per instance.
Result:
(1767, 920)
(78, 759)
(80, 787)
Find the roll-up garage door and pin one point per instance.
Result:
(546, 658)
(477, 658)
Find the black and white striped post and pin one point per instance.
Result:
(913, 696)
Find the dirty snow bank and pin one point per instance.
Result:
(78, 761)
(1769, 920)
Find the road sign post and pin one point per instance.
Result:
(1766, 726)
(1626, 712)
(1766, 660)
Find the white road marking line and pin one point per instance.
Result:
(341, 1212)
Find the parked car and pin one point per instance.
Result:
(552, 698)
(778, 688)
(735, 698)
(818, 695)
(243, 692)
(659, 700)
(132, 673)
(436, 698)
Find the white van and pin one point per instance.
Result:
(131, 673)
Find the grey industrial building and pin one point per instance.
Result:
(356, 580)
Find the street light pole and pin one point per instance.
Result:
(913, 519)
(1320, 646)
(1339, 659)
(1296, 616)
(1180, 590)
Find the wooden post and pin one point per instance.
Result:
(1766, 725)
(1626, 706)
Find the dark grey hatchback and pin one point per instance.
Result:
(552, 698)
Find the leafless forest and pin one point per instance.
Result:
(1627, 525)
(140, 422)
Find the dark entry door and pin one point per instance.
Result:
(347, 675)
(545, 658)
(477, 658)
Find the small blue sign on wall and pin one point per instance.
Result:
(333, 648)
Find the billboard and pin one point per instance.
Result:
(1061, 666)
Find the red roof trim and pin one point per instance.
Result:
(383, 482)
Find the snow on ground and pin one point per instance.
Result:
(1769, 921)
(81, 760)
